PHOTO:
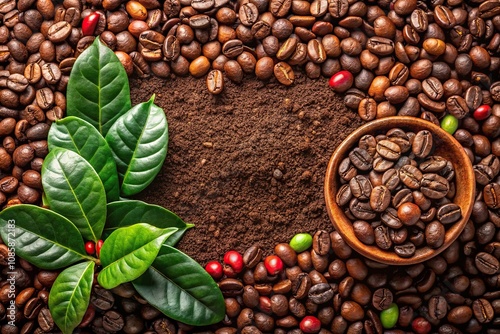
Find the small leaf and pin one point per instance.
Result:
(130, 212)
(74, 190)
(129, 251)
(179, 287)
(139, 142)
(98, 89)
(70, 295)
(81, 137)
(41, 236)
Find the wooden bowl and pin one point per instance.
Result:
(444, 145)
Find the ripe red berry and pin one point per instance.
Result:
(310, 324)
(482, 112)
(421, 326)
(341, 81)
(98, 247)
(274, 264)
(235, 260)
(214, 269)
(89, 24)
(90, 247)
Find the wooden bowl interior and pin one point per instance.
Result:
(444, 145)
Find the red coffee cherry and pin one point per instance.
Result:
(214, 269)
(341, 81)
(274, 264)
(98, 247)
(90, 247)
(421, 326)
(235, 260)
(310, 324)
(89, 24)
(482, 112)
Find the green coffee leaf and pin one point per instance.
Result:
(74, 190)
(129, 251)
(129, 212)
(179, 287)
(70, 295)
(80, 136)
(139, 142)
(98, 89)
(41, 237)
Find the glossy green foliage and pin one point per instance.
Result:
(98, 88)
(73, 189)
(180, 288)
(129, 251)
(70, 295)
(79, 136)
(139, 142)
(129, 212)
(41, 237)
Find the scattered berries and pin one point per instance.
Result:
(482, 112)
(310, 324)
(214, 269)
(90, 247)
(89, 24)
(421, 326)
(98, 247)
(274, 265)
(234, 260)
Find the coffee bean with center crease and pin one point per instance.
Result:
(45, 320)
(284, 73)
(361, 209)
(361, 187)
(361, 159)
(491, 194)
(102, 299)
(113, 321)
(380, 198)
(405, 250)
(434, 186)
(487, 263)
(449, 213)
(338, 8)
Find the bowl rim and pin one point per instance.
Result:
(343, 225)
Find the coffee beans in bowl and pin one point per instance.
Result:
(399, 190)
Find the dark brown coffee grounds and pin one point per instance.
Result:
(246, 166)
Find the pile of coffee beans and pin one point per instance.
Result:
(328, 288)
(398, 195)
(438, 60)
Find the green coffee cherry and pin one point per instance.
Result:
(449, 123)
(300, 242)
(389, 317)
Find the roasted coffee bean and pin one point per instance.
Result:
(483, 311)
(449, 213)
(320, 293)
(361, 159)
(45, 320)
(102, 299)
(487, 263)
(434, 186)
(405, 250)
(438, 307)
(284, 73)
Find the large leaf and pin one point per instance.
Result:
(130, 212)
(80, 136)
(129, 251)
(139, 141)
(74, 190)
(98, 89)
(179, 287)
(70, 295)
(41, 236)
